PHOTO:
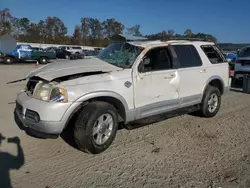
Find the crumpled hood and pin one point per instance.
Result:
(71, 67)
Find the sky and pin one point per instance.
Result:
(227, 20)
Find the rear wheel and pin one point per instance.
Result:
(211, 102)
(43, 60)
(96, 127)
(8, 60)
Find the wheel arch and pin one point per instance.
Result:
(106, 96)
(215, 81)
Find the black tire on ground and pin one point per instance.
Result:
(43, 60)
(205, 109)
(8, 60)
(89, 117)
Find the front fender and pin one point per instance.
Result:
(78, 103)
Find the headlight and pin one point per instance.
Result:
(48, 92)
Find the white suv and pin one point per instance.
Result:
(73, 49)
(127, 81)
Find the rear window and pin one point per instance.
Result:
(245, 52)
(187, 55)
(213, 54)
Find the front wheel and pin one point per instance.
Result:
(211, 102)
(96, 127)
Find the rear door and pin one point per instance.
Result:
(192, 74)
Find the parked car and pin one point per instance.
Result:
(91, 53)
(72, 49)
(231, 57)
(37, 49)
(61, 53)
(25, 52)
(242, 63)
(51, 49)
(125, 82)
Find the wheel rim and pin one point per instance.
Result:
(8, 60)
(66, 57)
(212, 103)
(44, 60)
(103, 128)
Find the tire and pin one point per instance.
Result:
(206, 110)
(43, 60)
(8, 60)
(67, 56)
(90, 116)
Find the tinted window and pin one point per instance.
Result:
(187, 55)
(213, 54)
(245, 52)
(159, 59)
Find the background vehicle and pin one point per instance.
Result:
(242, 63)
(231, 57)
(37, 49)
(61, 53)
(26, 53)
(51, 49)
(73, 49)
(91, 53)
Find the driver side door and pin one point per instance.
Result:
(156, 84)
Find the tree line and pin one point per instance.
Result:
(89, 31)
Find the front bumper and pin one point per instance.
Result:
(39, 116)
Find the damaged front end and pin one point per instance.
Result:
(50, 91)
(46, 91)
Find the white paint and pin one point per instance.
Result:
(147, 88)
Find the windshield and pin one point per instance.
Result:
(120, 54)
(245, 52)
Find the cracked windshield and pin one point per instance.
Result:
(120, 54)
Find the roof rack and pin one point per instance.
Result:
(189, 39)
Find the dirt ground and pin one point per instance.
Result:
(184, 151)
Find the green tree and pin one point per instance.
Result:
(188, 33)
(5, 21)
(85, 29)
(19, 26)
(112, 27)
(77, 35)
(135, 30)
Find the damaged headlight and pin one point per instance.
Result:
(48, 92)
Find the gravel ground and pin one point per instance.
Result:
(183, 151)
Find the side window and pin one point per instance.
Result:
(188, 56)
(156, 60)
(213, 54)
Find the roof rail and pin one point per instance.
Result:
(189, 39)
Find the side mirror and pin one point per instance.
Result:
(143, 64)
(146, 61)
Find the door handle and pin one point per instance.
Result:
(170, 76)
(203, 71)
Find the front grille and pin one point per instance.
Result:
(19, 108)
(32, 115)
